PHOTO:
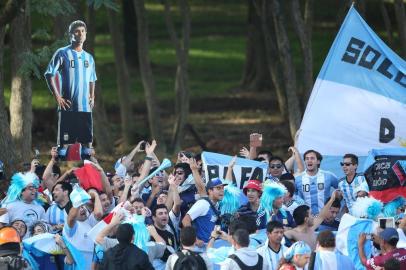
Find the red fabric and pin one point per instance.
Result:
(287, 266)
(89, 177)
(74, 152)
(399, 254)
(388, 195)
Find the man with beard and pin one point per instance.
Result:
(314, 185)
(204, 213)
(58, 211)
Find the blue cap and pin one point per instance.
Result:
(389, 234)
(214, 183)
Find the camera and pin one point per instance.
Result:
(142, 146)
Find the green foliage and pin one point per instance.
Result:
(107, 3)
(34, 60)
(52, 7)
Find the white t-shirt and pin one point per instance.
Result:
(200, 208)
(79, 239)
(28, 212)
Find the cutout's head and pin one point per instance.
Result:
(77, 32)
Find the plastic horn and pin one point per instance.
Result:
(166, 163)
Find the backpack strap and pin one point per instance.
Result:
(216, 212)
(243, 266)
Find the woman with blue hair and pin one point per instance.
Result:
(297, 256)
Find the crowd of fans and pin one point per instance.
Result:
(176, 219)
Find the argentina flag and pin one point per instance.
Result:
(358, 101)
(347, 237)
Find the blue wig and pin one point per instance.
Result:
(19, 181)
(366, 207)
(389, 210)
(231, 200)
(271, 191)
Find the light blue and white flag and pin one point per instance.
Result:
(359, 99)
(215, 166)
(347, 237)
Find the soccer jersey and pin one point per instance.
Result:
(70, 72)
(315, 190)
(56, 215)
(271, 257)
(350, 189)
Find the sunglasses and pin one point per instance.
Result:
(275, 166)
(179, 172)
(345, 164)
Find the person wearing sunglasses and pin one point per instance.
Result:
(352, 182)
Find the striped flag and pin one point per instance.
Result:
(347, 237)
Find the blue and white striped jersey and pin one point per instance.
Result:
(315, 190)
(350, 189)
(70, 72)
(55, 215)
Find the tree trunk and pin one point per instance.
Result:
(386, 21)
(288, 68)
(123, 79)
(182, 75)
(308, 17)
(21, 90)
(61, 23)
(146, 74)
(7, 153)
(401, 19)
(103, 139)
(130, 30)
(255, 73)
(306, 46)
(9, 10)
(271, 53)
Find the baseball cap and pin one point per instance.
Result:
(214, 183)
(253, 184)
(389, 234)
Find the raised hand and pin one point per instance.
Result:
(245, 152)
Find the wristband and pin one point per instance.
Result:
(148, 158)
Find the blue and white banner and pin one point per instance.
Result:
(215, 165)
(359, 99)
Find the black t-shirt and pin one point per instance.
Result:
(169, 239)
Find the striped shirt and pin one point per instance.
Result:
(270, 256)
(56, 215)
(315, 190)
(350, 189)
(69, 72)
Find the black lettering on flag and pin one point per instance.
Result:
(245, 175)
(399, 78)
(386, 131)
(257, 174)
(368, 53)
(213, 171)
(353, 50)
(383, 68)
